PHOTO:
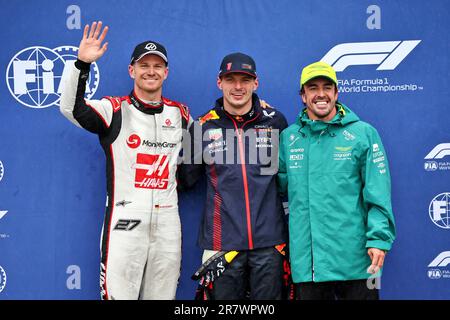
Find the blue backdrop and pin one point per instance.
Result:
(394, 62)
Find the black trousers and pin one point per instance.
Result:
(336, 290)
(253, 274)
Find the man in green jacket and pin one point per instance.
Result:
(334, 170)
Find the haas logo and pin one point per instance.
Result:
(134, 141)
(152, 171)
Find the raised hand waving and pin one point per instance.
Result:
(91, 48)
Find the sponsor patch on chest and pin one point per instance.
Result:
(152, 171)
(342, 153)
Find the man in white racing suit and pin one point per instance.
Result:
(141, 135)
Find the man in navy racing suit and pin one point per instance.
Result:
(141, 136)
(236, 145)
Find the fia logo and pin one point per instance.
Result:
(35, 75)
(386, 54)
(441, 261)
(439, 210)
(430, 166)
(434, 274)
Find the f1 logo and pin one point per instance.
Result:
(152, 171)
(386, 54)
(439, 152)
(442, 260)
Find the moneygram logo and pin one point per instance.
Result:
(435, 158)
(2, 279)
(134, 141)
(439, 210)
(386, 54)
(441, 261)
(34, 75)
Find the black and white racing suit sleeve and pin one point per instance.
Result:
(92, 115)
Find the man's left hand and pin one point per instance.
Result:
(377, 257)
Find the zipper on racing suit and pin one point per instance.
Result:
(239, 132)
(320, 136)
(312, 256)
(310, 224)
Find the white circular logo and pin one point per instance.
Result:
(439, 210)
(31, 74)
(431, 166)
(2, 279)
(434, 274)
(2, 170)
(150, 46)
(34, 75)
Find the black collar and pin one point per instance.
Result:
(145, 107)
(254, 111)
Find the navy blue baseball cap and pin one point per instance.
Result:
(238, 62)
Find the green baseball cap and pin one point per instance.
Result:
(317, 69)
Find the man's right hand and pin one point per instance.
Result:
(91, 48)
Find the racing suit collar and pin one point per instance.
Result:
(254, 111)
(343, 117)
(145, 107)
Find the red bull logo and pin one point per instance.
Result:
(212, 115)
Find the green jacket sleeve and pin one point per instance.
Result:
(380, 230)
(282, 173)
